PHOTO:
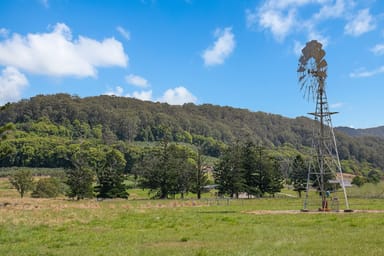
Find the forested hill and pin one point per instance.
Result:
(125, 119)
(376, 131)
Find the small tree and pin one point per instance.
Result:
(47, 187)
(22, 180)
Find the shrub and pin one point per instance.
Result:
(47, 187)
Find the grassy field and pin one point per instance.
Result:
(185, 227)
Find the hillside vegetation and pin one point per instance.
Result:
(48, 125)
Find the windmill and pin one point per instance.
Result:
(325, 169)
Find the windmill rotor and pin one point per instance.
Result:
(312, 70)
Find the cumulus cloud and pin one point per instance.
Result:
(278, 17)
(58, 54)
(12, 82)
(117, 91)
(124, 33)
(362, 72)
(363, 22)
(137, 81)
(284, 18)
(4, 32)
(221, 49)
(278, 22)
(378, 49)
(142, 95)
(332, 10)
(178, 96)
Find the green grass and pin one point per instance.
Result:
(210, 226)
(190, 227)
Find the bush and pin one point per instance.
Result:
(47, 187)
(358, 181)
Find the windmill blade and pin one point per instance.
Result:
(301, 69)
(322, 64)
(321, 74)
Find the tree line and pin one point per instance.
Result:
(112, 119)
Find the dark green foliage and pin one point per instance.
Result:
(5, 129)
(166, 171)
(358, 181)
(299, 174)
(229, 173)
(247, 168)
(46, 126)
(80, 177)
(373, 177)
(47, 188)
(22, 180)
(110, 176)
(79, 181)
(201, 178)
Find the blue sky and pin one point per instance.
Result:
(240, 53)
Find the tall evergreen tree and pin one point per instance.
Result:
(299, 174)
(229, 174)
(165, 171)
(250, 167)
(110, 176)
(80, 177)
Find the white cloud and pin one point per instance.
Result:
(4, 32)
(118, 91)
(221, 49)
(178, 96)
(332, 10)
(284, 18)
(337, 105)
(137, 81)
(366, 73)
(142, 95)
(126, 34)
(362, 23)
(279, 23)
(319, 37)
(279, 17)
(378, 49)
(12, 82)
(297, 47)
(57, 54)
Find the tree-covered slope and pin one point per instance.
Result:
(375, 131)
(111, 119)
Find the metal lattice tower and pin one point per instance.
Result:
(325, 169)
